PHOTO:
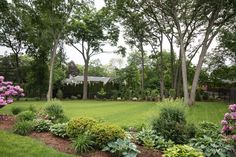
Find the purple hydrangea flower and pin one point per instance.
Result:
(224, 122)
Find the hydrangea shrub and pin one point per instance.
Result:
(8, 91)
(229, 122)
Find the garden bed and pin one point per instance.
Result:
(64, 145)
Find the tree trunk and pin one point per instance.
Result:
(162, 94)
(18, 78)
(85, 86)
(184, 72)
(205, 46)
(142, 69)
(172, 60)
(51, 68)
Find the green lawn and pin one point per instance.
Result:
(128, 113)
(12, 145)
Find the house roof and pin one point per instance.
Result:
(80, 79)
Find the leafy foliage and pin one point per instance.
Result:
(41, 125)
(25, 116)
(79, 125)
(149, 139)
(171, 124)
(23, 127)
(54, 111)
(208, 129)
(212, 147)
(83, 143)
(59, 129)
(122, 147)
(105, 133)
(182, 151)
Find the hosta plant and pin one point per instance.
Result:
(59, 129)
(212, 146)
(42, 125)
(182, 151)
(122, 148)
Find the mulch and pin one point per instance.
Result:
(64, 145)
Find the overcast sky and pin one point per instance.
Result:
(105, 58)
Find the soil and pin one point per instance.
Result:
(7, 122)
(64, 145)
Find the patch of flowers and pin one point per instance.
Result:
(8, 91)
(229, 122)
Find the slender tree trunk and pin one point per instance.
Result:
(172, 60)
(205, 46)
(85, 86)
(184, 72)
(18, 78)
(142, 69)
(51, 67)
(162, 94)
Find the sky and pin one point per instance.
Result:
(107, 58)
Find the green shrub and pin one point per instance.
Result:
(122, 148)
(171, 124)
(54, 110)
(59, 129)
(105, 133)
(208, 129)
(23, 127)
(191, 131)
(79, 125)
(59, 94)
(212, 147)
(182, 151)
(42, 125)
(25, 116)
(83, 143)
(16, 110)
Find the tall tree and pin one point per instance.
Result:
(12, 33)
(45, 23)
(89, 30)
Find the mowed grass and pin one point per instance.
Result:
(130, 113)
(12, 145)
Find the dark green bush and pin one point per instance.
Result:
(105, 133)
(26, 116)
(59, 94)
(42, 125)
(191, 131)
(83, 143)
(59, 129)
(79, 125)
(171, 125)
(24, 127)
(16, 110)
(182, 151)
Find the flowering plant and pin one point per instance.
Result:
(8, 91)
(229, 122)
